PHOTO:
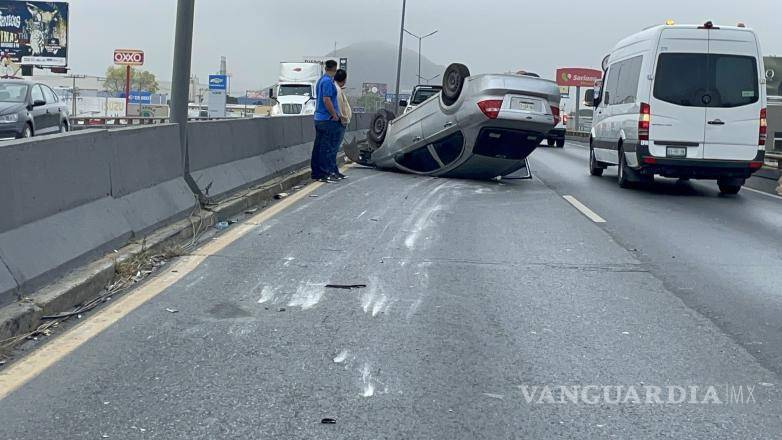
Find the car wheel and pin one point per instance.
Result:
(453, 82)
(27, 132)
(595, 168)
(730, 186)
(379, 127)
(550, 142)
(560, 143)
(623, 173)
(64, 127)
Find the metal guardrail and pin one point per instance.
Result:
(83, 123)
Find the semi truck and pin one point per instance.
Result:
(294, 93)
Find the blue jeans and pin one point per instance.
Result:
(333, 167)
(326, 135)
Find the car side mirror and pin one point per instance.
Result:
(39, 102)
(271, 94)
(403, 103)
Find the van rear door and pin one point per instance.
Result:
(733, 116)
(678, 110)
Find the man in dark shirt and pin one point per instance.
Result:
(327, 124)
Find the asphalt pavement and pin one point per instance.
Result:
(479, 295)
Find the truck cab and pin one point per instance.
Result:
(420, 94)
(295, 94)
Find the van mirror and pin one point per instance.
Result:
(271, 94)
(589, 97)
(403, 103)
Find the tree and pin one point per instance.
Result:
(141, 80)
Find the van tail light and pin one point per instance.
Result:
(555, 112)
(644, 121)
(491, 107)
(763, 127)
(564, 118)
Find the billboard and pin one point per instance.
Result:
(218, 82)
(578, 77)
(34, 33)
(773, 75)
(379, 89)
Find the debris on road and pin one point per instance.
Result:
(282, 309)
(346, 286)
(281, 196)
(314, 196)
(328, 421)
(220, 226)
(297, 187)
(170, 310)
(375, 219)
(251, 211)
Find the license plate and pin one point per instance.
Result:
(676, 152)
(523, 104)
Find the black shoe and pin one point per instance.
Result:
(341, 176)
(329, 179)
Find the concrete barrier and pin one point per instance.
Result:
(70, 198)
(226, 156)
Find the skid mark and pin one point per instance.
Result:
(307, 295)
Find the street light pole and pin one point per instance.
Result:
(420, 39)
(180, 85)
(399, 59)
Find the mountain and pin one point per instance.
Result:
(375, 61)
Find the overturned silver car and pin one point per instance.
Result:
(478, 127)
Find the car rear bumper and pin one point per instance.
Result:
(697, 168)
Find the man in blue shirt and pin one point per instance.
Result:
(327, 124)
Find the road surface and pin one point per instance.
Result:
(479, 296)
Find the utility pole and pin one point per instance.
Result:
(74, 93)
(180, 87)
(420, 39)
(399, 59)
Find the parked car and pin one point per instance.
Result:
(29, 109)
(480, 127)
(682, 101)
(420, 94)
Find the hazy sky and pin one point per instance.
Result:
(498, 35)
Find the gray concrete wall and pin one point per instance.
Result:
(68, 199)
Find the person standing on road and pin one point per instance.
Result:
(345, 115)
(327, 124)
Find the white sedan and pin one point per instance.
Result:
(479, 127)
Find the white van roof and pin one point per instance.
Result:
(653, 33)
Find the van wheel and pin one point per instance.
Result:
(730, 186)
(550, 142)
(453, 82)
(379, 128)
(623, 172)
(560, 143)
(595, 168)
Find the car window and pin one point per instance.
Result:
(422, 95)
(627, 84)
(706, 80)
(13, 92)
(450, 148)
(51, 97)
(420, 160)
(611, 83)
(37, 94)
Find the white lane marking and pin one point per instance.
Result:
(762, 193)
(592, 215)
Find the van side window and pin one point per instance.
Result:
(629, 75)
(611, 84)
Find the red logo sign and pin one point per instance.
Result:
(578, 77)
(129, 57)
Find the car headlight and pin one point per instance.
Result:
(276, 110)
(9, 118)
(309, 107)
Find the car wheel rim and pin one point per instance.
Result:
(453, 82)
(380, 125)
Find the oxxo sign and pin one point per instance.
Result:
(129, 57)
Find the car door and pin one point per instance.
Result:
(40, 118)
(733, 117)
(605, 135)
(679, 96)
(53, 108)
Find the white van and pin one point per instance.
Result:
(682, 101)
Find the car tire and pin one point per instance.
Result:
(379, 128)
(595, 168)
(64, 127)
(550, 143)
(27, 132)
(453, 82)
(623, 173)
(730, 186)
(560, 143)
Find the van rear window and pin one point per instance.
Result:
(706, 80)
